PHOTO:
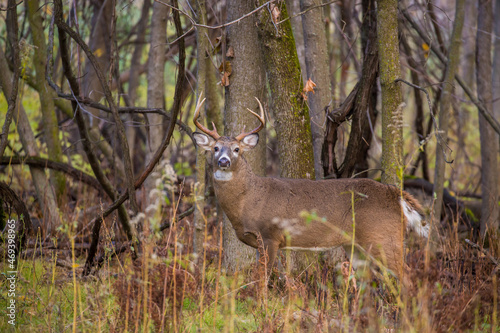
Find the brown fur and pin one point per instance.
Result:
(302, 213)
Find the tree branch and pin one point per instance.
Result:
(122, 138)
(487, 115)
(166, 141)
(42, 163)
(80, 121)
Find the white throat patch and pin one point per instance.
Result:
(223, 175)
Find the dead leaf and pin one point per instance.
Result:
(275, 13)
(309, 87)
(230, 52)
(225, 69)
(217, 45)
(224, 81)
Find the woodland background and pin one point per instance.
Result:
(117, 227)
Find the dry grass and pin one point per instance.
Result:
(169, 289)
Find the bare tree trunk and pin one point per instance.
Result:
(156, 85)
(100, 44)
(496, 71)
(345, 36)
(445, 104)
(135, 64)
(44, 190)
(489, 141)
(291, 113)
(46, 95)
(318, 71)
(83, 130)
(292, 121)
(467, 66)
(414, 62)
(246, 82)
(392, 102)
(208, 86)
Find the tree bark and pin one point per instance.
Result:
(445, 105)
(317, 66)
(392, 102)
(293, 7)
(489, 141)
(207, 86)
(100, 44)
(467, 66)
(496, 72)
(156, 84)
(291, 113)
(82, 125)
(44, 190)
(12, 36)
(247, 81)
(135, 64)
(46, 95)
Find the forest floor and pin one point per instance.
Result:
(170, 289)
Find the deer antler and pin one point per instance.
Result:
(213, 133)
(261, 118)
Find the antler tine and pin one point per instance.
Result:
(262, 119)
(213, 133)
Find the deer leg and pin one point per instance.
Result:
(270, 251)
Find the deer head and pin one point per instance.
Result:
(226, 150)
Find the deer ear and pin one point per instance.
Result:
(249, 141)
(203, 141)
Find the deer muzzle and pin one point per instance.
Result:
(224, 162)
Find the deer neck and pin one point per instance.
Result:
(231, 187)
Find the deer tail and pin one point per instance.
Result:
(414, 215)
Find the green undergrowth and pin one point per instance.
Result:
(177, 295)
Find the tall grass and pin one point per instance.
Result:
(455, 286)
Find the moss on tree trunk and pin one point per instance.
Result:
(247, 81)
(392, 107)
(46, 95)
(291, 113)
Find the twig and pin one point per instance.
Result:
(156, 157)
(178, 218)
(122, 138)
(41, 162)
(441, 142)
(493, 272)
(130, 109)
(486, 114)
(193, 22)
(10, 6)
(306, 10)
(484, 251)
(82, 126)
(111, 254)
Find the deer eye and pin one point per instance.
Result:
(236, 150)
(216, 149)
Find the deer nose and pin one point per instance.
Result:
(224, 162)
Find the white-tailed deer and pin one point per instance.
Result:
(273, 208)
